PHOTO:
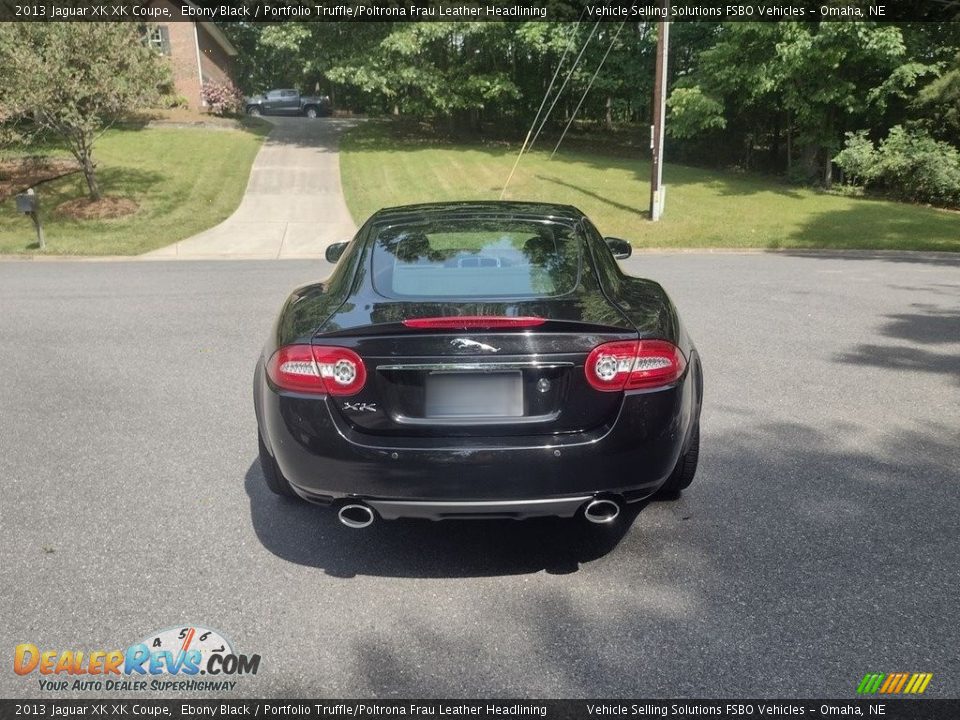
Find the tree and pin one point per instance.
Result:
(939, 102)
(805, 83)
(75, 80)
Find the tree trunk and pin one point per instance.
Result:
(828, 154)
(89, 174)
(808, 162)
(775, 145)
(609, 115)
(789, 147)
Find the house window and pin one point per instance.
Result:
(158, 37)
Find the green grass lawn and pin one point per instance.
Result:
(704, 208)
(184, 181)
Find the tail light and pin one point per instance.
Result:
(468, 322)
(634, 364)
(318, 369)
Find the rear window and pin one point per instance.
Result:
(463, 258)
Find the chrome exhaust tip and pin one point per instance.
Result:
(356, 516)
(601, 511)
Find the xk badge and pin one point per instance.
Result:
(360, 407)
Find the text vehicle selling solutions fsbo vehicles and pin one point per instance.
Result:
(483, 359)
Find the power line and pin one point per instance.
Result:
(543, 102)
(589, 85)
(565, 81)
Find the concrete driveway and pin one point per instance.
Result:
(293, 206)
(819, 541)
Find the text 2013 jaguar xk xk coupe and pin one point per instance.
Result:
(478, 359)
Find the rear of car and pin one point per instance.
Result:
(467, 361)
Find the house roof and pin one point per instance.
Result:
(215, 32)
(221, 39)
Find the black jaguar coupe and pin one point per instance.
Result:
(477, 360)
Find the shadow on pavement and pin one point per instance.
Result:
(929, 325)
(789, 553)
(310, 535)
(945, 259)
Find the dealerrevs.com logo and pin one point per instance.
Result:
(168, 660)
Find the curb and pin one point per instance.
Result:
(813, 252)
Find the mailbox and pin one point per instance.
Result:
(27, 202)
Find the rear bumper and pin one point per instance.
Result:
(326, 460)
(516, 509)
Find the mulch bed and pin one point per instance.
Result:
(18, 174)
(105, 208)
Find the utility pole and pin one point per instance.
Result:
(659, 114)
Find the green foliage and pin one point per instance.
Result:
(692, 113)
(469, 71)
(381, 166)
(435, 68)
(939, 103)
(907, 164)
(76, 79)
(858, 159)
(183, 180)
(916, 167)
(174, 100)
(774, 96)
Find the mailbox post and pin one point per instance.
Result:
(28, 203)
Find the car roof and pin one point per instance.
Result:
(480, 208)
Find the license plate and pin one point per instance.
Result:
(479, 395)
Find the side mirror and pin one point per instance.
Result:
(334, 251)
(621, 249)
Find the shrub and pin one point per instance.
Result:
(858, 159)
(174, 100)
(908, 164)
(222, 98)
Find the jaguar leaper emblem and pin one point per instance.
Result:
(468, 344)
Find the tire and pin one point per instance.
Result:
(253, 110)
(275, 480)
(685, 469)
(311, 112)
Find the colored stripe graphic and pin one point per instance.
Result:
(894, 683)
(888, 683)
(869, 684)
(900, 682)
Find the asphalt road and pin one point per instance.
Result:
(819, 542)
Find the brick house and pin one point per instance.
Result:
(199, 52)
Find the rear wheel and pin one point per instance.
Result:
(685, 469)
(275, 480)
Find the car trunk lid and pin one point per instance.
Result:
(478, 380)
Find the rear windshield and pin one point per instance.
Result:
(459, 258)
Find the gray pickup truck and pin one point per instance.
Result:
(288, 102)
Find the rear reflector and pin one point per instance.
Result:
(634, 364)
(469, 322)
(317, 369)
